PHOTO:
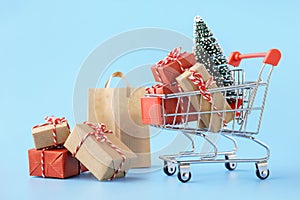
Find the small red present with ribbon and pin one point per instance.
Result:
(102, 153)
(166, 70)
(52, 163)
(52, 133)
(154, 107)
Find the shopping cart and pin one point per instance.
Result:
(249, 99)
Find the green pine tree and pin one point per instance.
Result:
(208, 51)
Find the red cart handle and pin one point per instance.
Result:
(272, 57)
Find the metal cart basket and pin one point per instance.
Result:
(249, 99)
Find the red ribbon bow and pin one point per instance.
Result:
(172, 56)
(203, 85)
(99, 133)
(54, 120)
(160, 85)
(156, 86)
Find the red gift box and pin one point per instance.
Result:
(83, 168)
(236, 105)
(58, 163)
(166, 70)
(152, 109)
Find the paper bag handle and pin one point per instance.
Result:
(119, 75)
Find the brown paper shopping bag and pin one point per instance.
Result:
(120, 110)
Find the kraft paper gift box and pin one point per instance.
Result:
(214, 123)
(43, 135)
(58, 163)
(99, 157)
(167, 73)
(120, 110)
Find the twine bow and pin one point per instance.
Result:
(54, 120)
(99, 133)
(172, 56)
(198, 80)
(156, 86)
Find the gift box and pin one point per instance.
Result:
(54, 163)
(154, 107)
(218, 103)
(52, 133)
(235, 104)
(166, 71)
(83, 168)
(102, 153)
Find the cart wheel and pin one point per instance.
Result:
(262, 174)
(169, 170)
(184, 177)
(230, 165)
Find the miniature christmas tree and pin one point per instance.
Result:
(208, 51)
(203, 57)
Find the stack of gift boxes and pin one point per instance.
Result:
(180, 72)
(166, 71)
(50, 158)
(61, 153)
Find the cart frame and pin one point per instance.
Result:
(246, 91)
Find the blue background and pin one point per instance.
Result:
(42, 46)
